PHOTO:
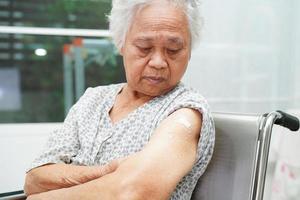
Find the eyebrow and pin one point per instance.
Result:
(175, 40)
(143, 39)
(170, 40)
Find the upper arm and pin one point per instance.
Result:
(169, 155)
(174, 143)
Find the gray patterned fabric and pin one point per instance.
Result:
(88, 137)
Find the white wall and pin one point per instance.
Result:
(19, 145)
(248, 60)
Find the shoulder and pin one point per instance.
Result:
(101, 91)
(97, 93)
(189, 93)
(93, 97)
(187, 97)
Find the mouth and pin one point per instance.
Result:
(154, 80)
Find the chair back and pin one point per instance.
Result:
(230, 174)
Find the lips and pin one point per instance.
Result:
(154, 79)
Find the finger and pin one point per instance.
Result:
(112, 166)
(109, 168)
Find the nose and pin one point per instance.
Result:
(158, 60)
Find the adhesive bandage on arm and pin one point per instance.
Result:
(182, 120)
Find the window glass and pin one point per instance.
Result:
(42, 76)
(87, 14)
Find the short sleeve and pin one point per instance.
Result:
(63, 143)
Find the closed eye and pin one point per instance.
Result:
(144, 50)
(173, 51)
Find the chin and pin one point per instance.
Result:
(157, 91)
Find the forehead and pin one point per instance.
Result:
(158, 20)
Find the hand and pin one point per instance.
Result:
(92, 172)
(51, 195)
(34, 197)
(57, 176)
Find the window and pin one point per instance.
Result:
(81, 14)
(42, 75)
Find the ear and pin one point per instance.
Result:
(121, 50)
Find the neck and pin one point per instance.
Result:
(135, 96)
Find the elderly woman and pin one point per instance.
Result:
(149, 138)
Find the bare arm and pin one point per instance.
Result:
(57, 176)
(152, 173)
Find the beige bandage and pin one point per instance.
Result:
(185, 122)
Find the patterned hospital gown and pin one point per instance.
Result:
(88, 137)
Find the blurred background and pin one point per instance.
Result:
(32, 65)
(50, 51)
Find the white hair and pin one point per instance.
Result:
(123, 12)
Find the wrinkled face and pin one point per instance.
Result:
(157, 49)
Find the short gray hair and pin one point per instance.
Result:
(123, 11)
